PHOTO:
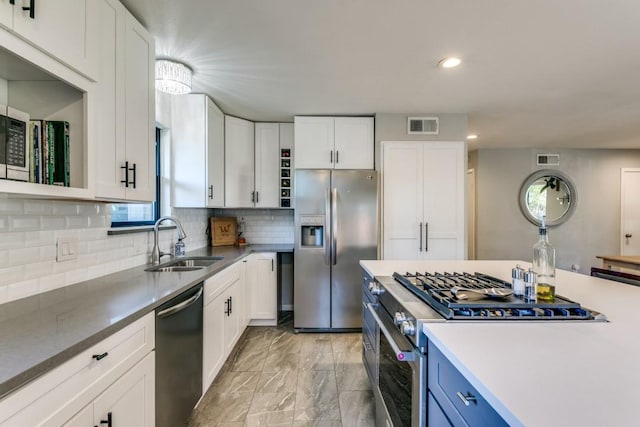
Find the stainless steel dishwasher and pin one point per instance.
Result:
(178, 357)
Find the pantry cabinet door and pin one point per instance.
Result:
(213, 339)
(403, 225)
(267, 146)
(444, 200)
(262, 274)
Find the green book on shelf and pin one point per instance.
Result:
(51, 152)
(61, 173)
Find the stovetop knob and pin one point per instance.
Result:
(375, 289)
(400, 317)
(408, 328)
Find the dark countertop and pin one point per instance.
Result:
(41, 332)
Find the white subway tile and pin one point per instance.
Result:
(54, 222)
(77, 222)
(38, 207)
(48, 253)
(51, 281)
(90, 209)
(23, 256)
(38, 269)
(4, 294)
(39, 238)
(4, 223)
(12, 240)
(11, 206)
(65, 208)
(24, 223)
(23, 289)
(96, 245)
(95, 271)
(98, 221)
(76, 276)
(65, 266)
(11, 275)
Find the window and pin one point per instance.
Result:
(137, 214)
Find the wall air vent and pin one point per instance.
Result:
(422, 125)
(548, 159)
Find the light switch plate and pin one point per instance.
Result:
(66, 249)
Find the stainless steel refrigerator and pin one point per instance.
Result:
(336, 225)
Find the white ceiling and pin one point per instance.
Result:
(537, 73)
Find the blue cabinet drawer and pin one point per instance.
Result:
(460, 401)
(435, 415)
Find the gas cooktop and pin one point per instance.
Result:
(435, 289)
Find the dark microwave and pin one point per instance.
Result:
(14, 151)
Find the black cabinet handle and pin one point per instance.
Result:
(108, 421)
(426, 237)
(230, 305)
(31, 9)
(253, 197)
(272, 265)
(211, 191)
(331, 156)
(12, 1)
(227, 310)
(133, 169)
(100, 356)
(337, 156)
(257, 197)
(126, 174)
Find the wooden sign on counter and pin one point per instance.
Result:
(223, 231)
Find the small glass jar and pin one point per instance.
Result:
(530, 286)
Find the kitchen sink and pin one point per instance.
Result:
(186, 264)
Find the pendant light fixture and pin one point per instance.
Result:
(172, 77)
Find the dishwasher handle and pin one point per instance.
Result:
(180, 306)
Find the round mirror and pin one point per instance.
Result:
(550, 193)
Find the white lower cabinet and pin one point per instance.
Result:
(127, 402)
(262, 288)
(115, 375)
(222, 320)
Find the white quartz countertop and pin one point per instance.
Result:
(546, 373)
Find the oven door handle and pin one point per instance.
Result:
(403, 355)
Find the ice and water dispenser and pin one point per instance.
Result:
(312, 231)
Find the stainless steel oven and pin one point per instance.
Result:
(401, 392)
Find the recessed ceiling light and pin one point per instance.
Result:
(450, 62)
(472, 136)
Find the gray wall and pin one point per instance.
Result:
(594, 228)
(393, 127)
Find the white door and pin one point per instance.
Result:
(471, 214)
(140, 110)
(215, 156)
(60, 28)
(239, 163)
(6, 14)
(267, 168)
(443, 201)
(131, 399)
(353, 143)
(213, 349)
(403, 226)
(314, 142)
(630, 210)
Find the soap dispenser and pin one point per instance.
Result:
(179, 249)
(544, 265)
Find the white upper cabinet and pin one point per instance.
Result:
(334, 142)
(239, 167)
(267, 145)
(197, 145)
(125, 163)
(61, 28)
(314, 141)
(423, 200)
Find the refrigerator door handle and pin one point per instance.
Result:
(334, 227)
(327, 224)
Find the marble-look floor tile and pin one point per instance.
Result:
(317, 343)
(226, 407)
(271, 419)
(357, 408)
(317, 396)
(277, 382)
(230, 382)
(277, 361)
(319, 423)
(316, 361)
(348, 342)
(350, 372)
(272, 402)
(286, 343)
(248, 358)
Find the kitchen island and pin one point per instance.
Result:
(545, 373)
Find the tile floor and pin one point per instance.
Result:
(275, 377)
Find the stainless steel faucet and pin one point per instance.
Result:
(156, 253)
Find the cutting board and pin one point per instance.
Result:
(223, 231)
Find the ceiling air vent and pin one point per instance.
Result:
(422, 125)
(548, 159)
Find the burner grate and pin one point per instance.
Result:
(435, 290)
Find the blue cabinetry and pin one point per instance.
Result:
(452, 399)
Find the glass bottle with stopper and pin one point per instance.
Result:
(544, 265)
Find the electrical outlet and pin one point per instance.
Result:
(66, 249)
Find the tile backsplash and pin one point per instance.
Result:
(264, 226)
(29, 230)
